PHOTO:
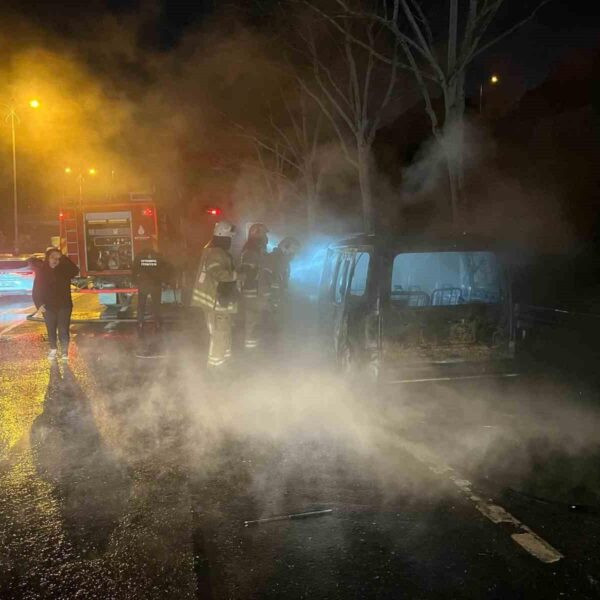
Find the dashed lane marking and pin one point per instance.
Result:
(522, 535)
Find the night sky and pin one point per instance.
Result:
(558, 28)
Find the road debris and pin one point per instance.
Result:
(302, 515)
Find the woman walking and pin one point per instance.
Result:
(52, 296)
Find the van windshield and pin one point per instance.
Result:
(445, 278)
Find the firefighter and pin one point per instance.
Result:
(150, 271)
(215, 291)
(279, 260)
(255, 272)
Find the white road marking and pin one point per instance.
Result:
(457, 378)
(524, 536)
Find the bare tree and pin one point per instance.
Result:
(288, 152)
(440, 64)
(349, 88)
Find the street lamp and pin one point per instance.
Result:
(92, 171)
(493, 80)
(13, 118)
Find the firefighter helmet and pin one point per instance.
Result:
(224, 229)
(257, 230)
(289, 246)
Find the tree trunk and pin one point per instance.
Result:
(453, 142)
(312, 202)
(364, 180)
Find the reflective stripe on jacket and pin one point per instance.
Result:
(216, 267)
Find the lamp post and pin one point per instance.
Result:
(92, 171)
(11, 115)
(493, 80)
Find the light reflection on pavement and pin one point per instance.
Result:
(131, 479)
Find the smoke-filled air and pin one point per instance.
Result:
(299, 299)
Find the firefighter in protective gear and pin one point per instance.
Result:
(256, 283)
(215, 291)
(150, 271)
(280, 260)
(279, 266)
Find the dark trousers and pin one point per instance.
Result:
(154, 290)
(58, 320)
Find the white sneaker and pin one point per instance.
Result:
(52, 354)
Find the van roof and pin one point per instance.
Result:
(427, 241)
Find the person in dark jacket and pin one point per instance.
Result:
(52, 296)
(150, 271)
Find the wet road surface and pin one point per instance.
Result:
(123, 477)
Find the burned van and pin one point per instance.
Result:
(417, 309)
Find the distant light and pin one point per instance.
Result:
(214, 211)
(34, 103)
(68, 170)
(92, 171)
(61, 215)
(147, 212)
(494, 79)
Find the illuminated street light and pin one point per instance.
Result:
(92, 171)
(493, 80)
(12, 117)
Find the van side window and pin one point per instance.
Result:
(340, 283)
(358, 285)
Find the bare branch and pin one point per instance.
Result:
(369, 17)
(354, 86)
(367, 82)
(387, 97)
(316, 62)
(426, 50)
(509, 30)
(331, 119)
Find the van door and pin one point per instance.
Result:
(340, 287)
(351, 332)
(326, 293)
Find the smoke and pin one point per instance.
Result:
(289, 429)
(496, 201)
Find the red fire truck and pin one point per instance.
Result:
(103, 238)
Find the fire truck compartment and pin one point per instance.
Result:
(108, 241)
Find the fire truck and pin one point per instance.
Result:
(102, 238)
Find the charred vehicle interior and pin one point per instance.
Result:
(412, 310)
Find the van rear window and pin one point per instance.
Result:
(445, 278)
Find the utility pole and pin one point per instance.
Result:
(15, 199)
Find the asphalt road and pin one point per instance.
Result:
(125, 477)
